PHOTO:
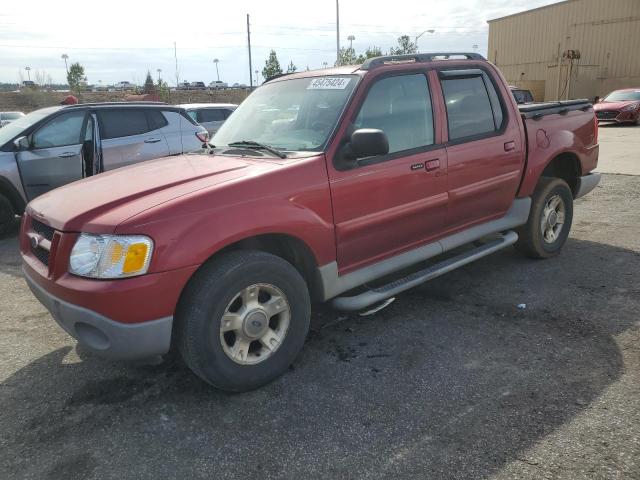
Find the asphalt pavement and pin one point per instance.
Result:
(453, 380)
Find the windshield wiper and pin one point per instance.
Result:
(258, 146)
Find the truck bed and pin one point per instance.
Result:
(540, 109)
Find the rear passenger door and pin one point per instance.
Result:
(485, 147)
(131, 135)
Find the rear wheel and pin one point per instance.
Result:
(243, 319)
(549, 222)
(7, 214)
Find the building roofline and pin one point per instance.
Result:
(531, 10)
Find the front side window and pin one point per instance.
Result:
(123, 122)
(60, 131)
(400, 106)
(297, 114)
(473, 107)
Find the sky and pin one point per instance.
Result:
(121, 40)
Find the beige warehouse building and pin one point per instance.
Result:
(571, 49)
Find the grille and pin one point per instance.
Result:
(606, 115)
(41, 229)
(42, 255)
(46, 232)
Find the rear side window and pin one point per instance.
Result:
(123, 122)
(473, 106)
(156, 119)
(211, 115)
(400, 106)
(227, 113)
(60, 131)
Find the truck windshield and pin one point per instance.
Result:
(16, 127)
(294, 115)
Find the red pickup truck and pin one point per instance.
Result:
(348, 185)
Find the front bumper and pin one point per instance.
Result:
(587, 183)
(103, 336)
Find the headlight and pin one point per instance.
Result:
(632, 106)
(110, 256)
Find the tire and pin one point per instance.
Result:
(538, 239)
(230, 285)
(7, 215)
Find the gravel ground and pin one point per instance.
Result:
(450, 381)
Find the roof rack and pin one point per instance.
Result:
(418, 58)
(100, 104)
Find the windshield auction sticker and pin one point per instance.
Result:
(329, 83)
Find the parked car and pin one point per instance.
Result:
(218, 85)
(28, 84)
(341, 200)
(124, 85)
(620, 106)
(197, 86)
(7, 117)
(57, 145)
(210, 115)
(521, 95)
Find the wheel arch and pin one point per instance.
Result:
(565, 165)
(286, 246)
(8, 190)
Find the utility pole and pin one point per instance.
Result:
(175, 55)
(249, 47)
(337, 33)
(28, 69)
(159, 70)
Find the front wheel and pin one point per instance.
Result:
(549, 222)
(243, 319)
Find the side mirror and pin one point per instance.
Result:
(368, 142)
(22, 143)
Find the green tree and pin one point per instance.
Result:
(291, 68)
(370, 53)
(75, 76)
(347, 56)
(405, 45)
(271, 66)
(149, 86)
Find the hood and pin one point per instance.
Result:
(613, 105)
(105, 200)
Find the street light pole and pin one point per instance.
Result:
(215, 61)
(28, 69)
(351, 38)
(159, 70)
(256, 72)
(418, 36)
(65, 57)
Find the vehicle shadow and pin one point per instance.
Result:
(453, 380)
(9, 248)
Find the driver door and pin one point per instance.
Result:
(54, 157)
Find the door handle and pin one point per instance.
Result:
(509, 146)
(67, 154)
(152, 140)
(431, 165)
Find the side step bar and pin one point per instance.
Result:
(379, 294)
